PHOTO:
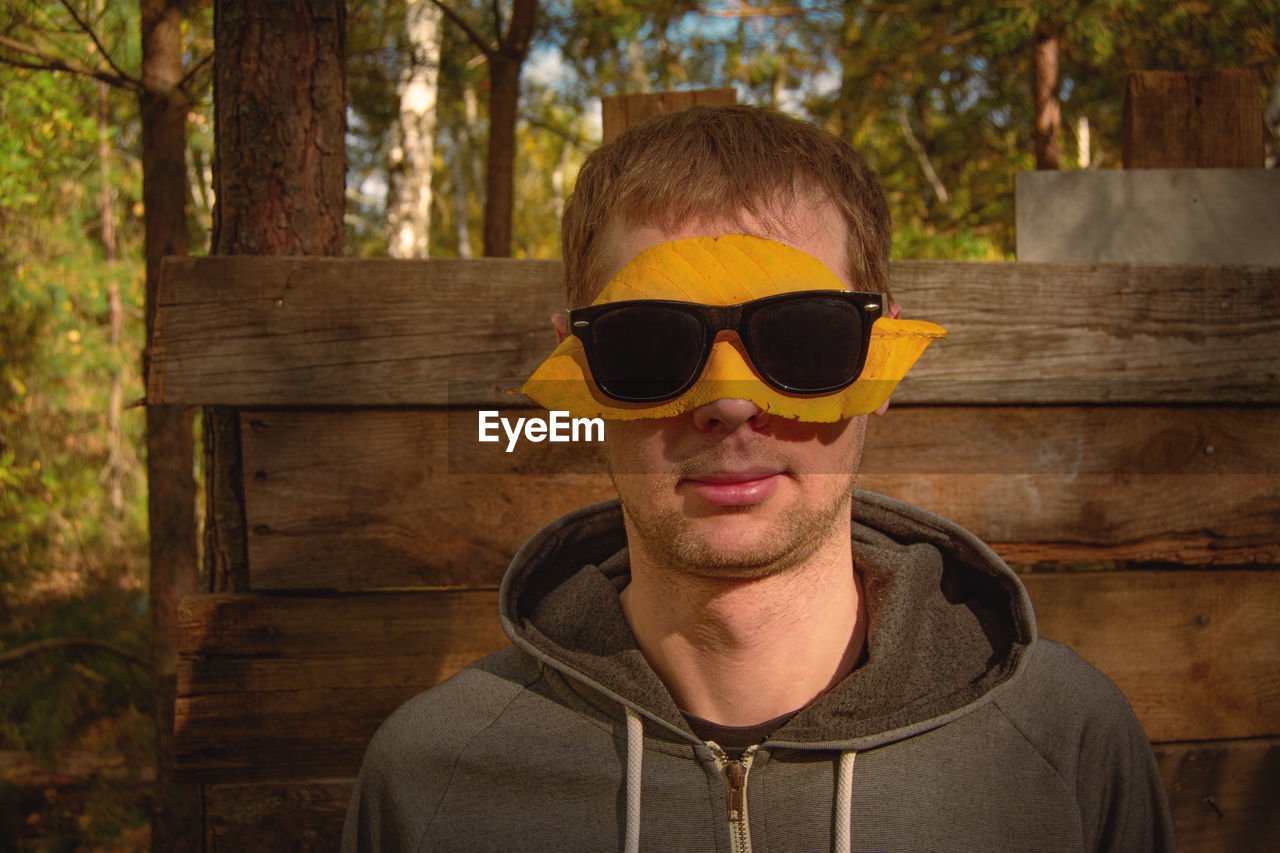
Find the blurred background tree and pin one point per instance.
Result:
(72, 489)
(938, 94)
(75, 634)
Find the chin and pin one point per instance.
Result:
(736, 547)
(745, 542)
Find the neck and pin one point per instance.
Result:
(739, 653)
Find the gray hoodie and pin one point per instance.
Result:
(960, 730)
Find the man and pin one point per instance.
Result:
(746, 653)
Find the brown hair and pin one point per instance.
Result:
(716, 162)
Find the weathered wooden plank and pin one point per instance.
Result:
(361, 499)
(279, 686)
(273, 686)
(619, 112)
(300, 817)
(1193, 120)
(253, 330)
(315, 331)
(1221, 794)
(1194, 651)
(1094, 333)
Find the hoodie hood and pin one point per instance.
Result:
(949, 624)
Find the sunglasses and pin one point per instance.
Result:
(650, 350)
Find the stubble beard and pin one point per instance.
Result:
(669, 537)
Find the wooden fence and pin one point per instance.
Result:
(1120, 416)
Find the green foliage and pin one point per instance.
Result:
(375, 56)
(462, 140)
(58, 699)
(919, 241)
(63, 351)
(956, 73)
(58, 457)
(48, 133)
(72, 487)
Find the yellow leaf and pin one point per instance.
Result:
(728, 270)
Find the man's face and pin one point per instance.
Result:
(726, 491)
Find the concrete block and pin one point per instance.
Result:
(1195, 216)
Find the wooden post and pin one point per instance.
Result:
(1194, 120)
(621, 111)
(171, 490)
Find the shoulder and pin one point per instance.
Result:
(1061, 703)
(444, 717)
(1082, 725)
(410, 760)
(1056, 675)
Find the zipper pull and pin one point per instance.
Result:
(736, 779)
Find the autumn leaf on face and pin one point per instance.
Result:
(729, 270)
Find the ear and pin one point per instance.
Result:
(561, 324)
(895, 311)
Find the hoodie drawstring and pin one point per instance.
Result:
(844, 802)
(635, 758)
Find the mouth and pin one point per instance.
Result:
(730, 488)
(740, 475)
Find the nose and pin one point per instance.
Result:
(728, 413)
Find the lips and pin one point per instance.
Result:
(742, 487)
(734, 476)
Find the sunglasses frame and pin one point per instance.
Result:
(715, 319)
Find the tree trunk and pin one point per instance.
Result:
(504, 94)
(115, 445)
(858, 86)
(637, 69)
(1271, 115)
(409, 170)
(940, 193)
(170, 450)
(468, 168)
(1045, 85)
(279, 102)
(115, 441)
(105, 208)
(499, 200)
(461, 210)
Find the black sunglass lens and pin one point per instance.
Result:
(807, 345)
(646, 352)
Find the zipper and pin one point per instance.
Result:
(735, 775)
